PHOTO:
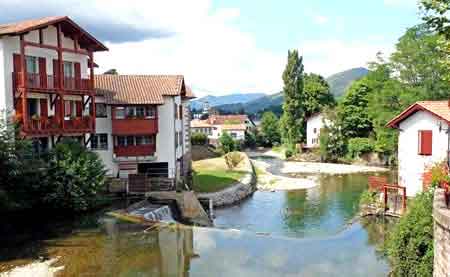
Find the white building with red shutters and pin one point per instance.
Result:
(143, 125)
(137, 124)
(423, 140)
(47, 78)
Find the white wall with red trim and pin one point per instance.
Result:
(412, 164)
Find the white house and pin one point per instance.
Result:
(47, 78)
(216, 125)
(143, 124)
(314, 124)
(423, 140)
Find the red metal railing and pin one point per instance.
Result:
(135, 126)
(135, 150)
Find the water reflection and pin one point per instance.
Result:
(320, 211)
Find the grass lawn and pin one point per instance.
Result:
(212, 175)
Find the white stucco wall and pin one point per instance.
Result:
(411, 165)
(315, 122)
(165, 140)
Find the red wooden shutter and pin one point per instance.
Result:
(58, 108)
(44, 108)
(17, 69)
(56, 73)
(79, 107)
(426, 142)
(77, 69)
(67, 108)
(43, 72)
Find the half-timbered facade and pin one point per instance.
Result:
(47, 78)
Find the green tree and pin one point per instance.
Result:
(227, 143)
(74, 177)
(332, 142)
(352, 111)
(317, 92)
(436, 15)
(270, 128)
(293, 119)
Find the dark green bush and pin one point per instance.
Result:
(199, 138)
(358, 146)
(410, 245)
(227, 144)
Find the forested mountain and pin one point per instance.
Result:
(213, 101)
(339, 82)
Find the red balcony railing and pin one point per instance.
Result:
(135, 126)
(40, 81)
(71, 83)
(43, 125)
(34, 80)
(135, 150)
(78, 123)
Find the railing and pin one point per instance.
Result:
(43, 124)
(71, 83)
(40, 81)
(78, 123)
(135, 150)
(34, 80)
(133, 126)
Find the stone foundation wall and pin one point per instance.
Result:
(237, 192)
(441, 215)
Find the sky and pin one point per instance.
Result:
(232, 46)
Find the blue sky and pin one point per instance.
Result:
(231, 46)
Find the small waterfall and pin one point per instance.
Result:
(160, 214)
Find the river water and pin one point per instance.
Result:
(310, 232)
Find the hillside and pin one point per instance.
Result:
(214, 101)
(339, 82)
(254, 106)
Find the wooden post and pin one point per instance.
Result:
(385, 198)
(61, 75)
(92, 87)
(404, 199)
(23, 82)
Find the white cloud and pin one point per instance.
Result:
(333, 55)
(320, 19)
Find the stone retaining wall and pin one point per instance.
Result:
(237, 192)
(441, 215)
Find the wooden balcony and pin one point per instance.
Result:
(52, 126)
(135, 126)
(135, 150)
(40, 82)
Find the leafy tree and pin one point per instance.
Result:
(199, 138)
(250, 139)
(74, 177)
(436, 15)
(293, 119)
(358, 146)
(352, 111)
(317, 92)
(270, 128)
(227, 143)
(332, 141)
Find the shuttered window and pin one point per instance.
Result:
(425, 142)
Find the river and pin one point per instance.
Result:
(308, 232)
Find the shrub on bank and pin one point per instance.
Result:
(227, 144)
(232, 159)
(199, 139)
(410, 245)
(358, 146)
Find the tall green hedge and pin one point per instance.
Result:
(410, 245)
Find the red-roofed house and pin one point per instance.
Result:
(423, 140)
(47, 78)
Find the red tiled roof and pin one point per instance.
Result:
(241, 127)
(197, 123)
(22, 27)
(138, 89)
(228, 119)
(439, 109)
(189, 94)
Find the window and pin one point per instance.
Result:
(100, 110)
(233, 135)
(180, 112)
(140, 111)
(180, 138)
(68, 69)
(130, 140)
(131, 111)
(315, 130)
(150, 112)
(425, 142)
(31, 64)
(120, 141)
(99, 141)
(119, 112)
